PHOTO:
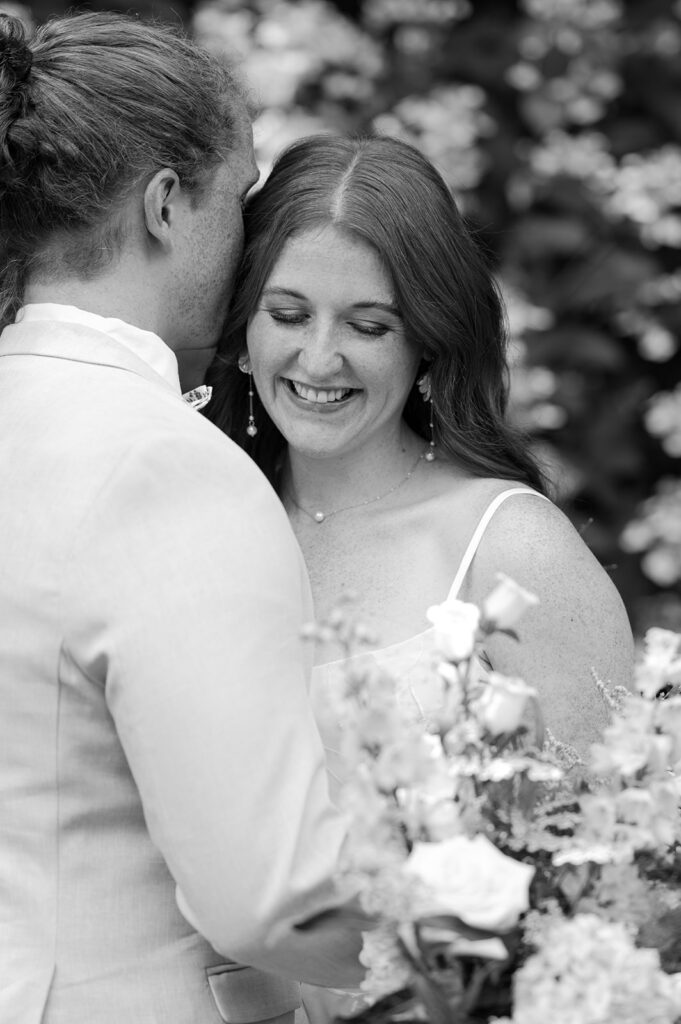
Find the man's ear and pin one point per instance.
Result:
(161, 197)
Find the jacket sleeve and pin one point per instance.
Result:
(193, 592)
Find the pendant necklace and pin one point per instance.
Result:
(321, 517)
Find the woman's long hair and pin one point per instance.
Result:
(383, 191)
(90, 107)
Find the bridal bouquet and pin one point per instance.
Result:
(512, 882)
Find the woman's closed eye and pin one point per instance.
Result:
(288, 316)
(298, 317)
(370, 327)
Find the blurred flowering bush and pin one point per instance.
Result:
(510, 880)
(558, 127)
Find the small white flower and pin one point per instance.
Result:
(442, 819)
(503, 703)
(388, 969)
(597, 853)
(456, 627)
(662, 645)
(497, 770)
(661, 662)
(537, 771)
(506, 604)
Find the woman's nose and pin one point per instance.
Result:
(320, 356)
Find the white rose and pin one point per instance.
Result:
(473, 880)
(456, 626)
(506, 604)
(503, 704)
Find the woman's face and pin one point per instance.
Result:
(327, 345)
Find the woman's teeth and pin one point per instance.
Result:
(321, 395)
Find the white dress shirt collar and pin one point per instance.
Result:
(144, 344)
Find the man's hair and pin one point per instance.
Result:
(386, 193)
(89, 108)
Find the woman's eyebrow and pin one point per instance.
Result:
(283, 291)
(385, 307)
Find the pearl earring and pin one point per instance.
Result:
(245, 367)
(424, 386)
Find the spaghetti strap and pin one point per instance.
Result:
(474, 543)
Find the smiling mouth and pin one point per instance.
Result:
(319, 396)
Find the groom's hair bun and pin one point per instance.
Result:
(95, 104)
(15, 54)
(16, 60)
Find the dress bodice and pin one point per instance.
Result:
(409, 662)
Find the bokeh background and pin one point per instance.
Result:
(557, 124)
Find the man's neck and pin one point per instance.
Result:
(107, 296)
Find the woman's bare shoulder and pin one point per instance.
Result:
(454, 503)
(529, 536)
(580, 629)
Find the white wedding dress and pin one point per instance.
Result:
(410, 663)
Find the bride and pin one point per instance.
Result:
(364, 370)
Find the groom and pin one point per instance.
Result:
(164, 815)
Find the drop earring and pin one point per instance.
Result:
(424, 386)
(245, 367)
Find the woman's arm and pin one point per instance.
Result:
(579, 628)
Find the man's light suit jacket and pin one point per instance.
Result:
(154, 723)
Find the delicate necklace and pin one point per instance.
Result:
(321, 517)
